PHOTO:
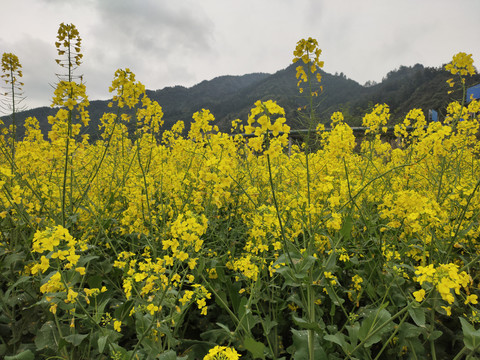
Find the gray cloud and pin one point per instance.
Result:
(155, 27)
(167, 43)
(366, 39)
(38, 67)
(157, 40)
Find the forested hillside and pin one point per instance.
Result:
(231, 97)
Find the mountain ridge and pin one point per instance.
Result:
(229, 97)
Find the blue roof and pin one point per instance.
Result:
(473, 91)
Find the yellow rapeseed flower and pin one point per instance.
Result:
(222, 353)
(462, 63)
(117, 325)
(472, 299)
(419, 295)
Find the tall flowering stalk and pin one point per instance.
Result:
(69, 94)
(12, 72)
(308, 51)
(461, 66)
(68, 46)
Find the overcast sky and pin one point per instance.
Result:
(183, 42)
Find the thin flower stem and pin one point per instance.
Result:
(277, 209)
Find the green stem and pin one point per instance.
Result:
(225, 306)
(277, 209)
(14, 125)
(57, 323)
(147, 330)
(398, 314)
(460, 353)
(266, 335)
(65, 167)
(145, 184)
(311, 316)
(90, 180)
(432, 342)
(462, 217)
(397, 328)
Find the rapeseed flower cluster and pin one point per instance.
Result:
(308, 51)
(447, 280)
(11, 69)
(186, 232)
(59, 244)
(222, 353)
(69, 43)
(376, 120)
(355, 291)
(462, 63)
(265, 118)
(61, 254)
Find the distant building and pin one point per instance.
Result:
(473, 93)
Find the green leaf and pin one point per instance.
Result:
(224, 327)
(75, 339)
(232, 292)
(418, 316)
(168, 355)
(200, 266)
(24, 355)
(86, 259)
(13, 258)
(300, 344)
(299, 349)
(216, 336)
(369, 333)
(122, 353)
(255, 347)
(338, 339)
(95, 281)
(409, 331)
(152, 349)
(102, 341)
(121, 312)
(247, 319)
(346, 230)
(269, 324)
(288, 275)
(353, 333)
(18, 282)
(435, 335)
(46, 336)
(195, 349)
(471, 357)
(304, 266)
(304, 324)
(142, 323)
(336, 301)
(471, 337)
